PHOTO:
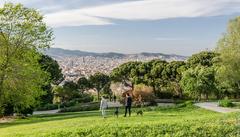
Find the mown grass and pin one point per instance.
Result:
(180, 122)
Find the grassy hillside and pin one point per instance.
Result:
(180, 122)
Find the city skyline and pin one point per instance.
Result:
(180, 27)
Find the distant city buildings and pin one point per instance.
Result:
(75, 67)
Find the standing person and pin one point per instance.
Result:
(128, 105)
(103, 107)
(114, 98)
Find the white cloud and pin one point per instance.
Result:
(143, 10)
(136, 10)
(162, 9)
(53, 8)
(169, 39)
(14, 1)
(58, 17)
(73, 18)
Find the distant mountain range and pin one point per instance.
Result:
(61, 53)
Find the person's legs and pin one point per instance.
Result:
(129, 110)
(125, 111)
(103, 112)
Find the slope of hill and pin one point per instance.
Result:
(61, 53)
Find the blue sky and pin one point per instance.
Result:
(131, 26)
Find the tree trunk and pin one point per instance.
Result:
(180, 94)
(98, 95)
(110, 97)
(206, 96)
(199, 97)
(3, 68)
(1, 88)
(154, 90)
(179, 90)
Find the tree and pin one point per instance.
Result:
(229, 65)
(149, 73)
(204, 58)
(70, 91)
(83, 84)
(56, 77)
(140, 72)
(22, 34)
(199, 81)
(125, 73)
(59, 95)
(173, 74)
(51, 66)
(98, 81)
(155, 77)
(107, 90)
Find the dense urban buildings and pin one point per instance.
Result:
(78, 66)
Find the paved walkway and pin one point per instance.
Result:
(114, 104)
(45, 112)
(110, 105)
(214, 107)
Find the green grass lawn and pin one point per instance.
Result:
(186, 121)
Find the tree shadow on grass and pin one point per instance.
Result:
(50, 117)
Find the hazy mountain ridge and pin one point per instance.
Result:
(61, 53)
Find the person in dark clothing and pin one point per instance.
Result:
(114, 98)
(128, 105)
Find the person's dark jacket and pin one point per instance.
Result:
(128, 101)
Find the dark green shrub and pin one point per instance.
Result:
(1, 111)
(164, 95)
(8, 109)
(26, 111)
(48, 107)
(69, 103)
(85, 99)
(225, 103)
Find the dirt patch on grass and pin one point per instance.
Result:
(6, 119)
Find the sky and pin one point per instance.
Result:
(181, 27)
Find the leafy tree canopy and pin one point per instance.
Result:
(229, 65)
(204, 58)
(51, 66)
(199, 81)
(83, 84)
(99, 81)
(22, 34)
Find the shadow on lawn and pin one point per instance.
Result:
(50, 117)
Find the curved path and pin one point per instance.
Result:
(110, 105)
(214, 107)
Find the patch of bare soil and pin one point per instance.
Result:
(6, 119)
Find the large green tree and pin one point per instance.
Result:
(70, 91)
(22, 34)
(83, 84)
(98, 82)
(204, 58)
(229, 49)
(173, 74)
(199, 81)
(125, 73)
(51, 66)
(155, 77)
